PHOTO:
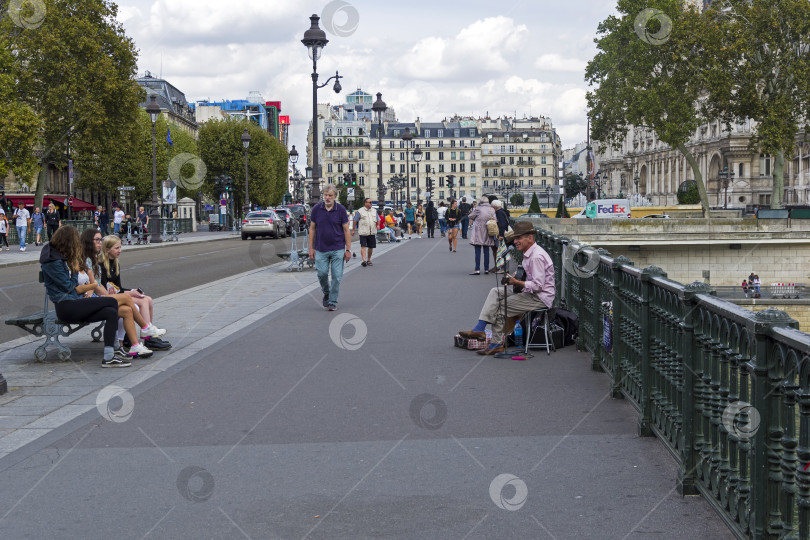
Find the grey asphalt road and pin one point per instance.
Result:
(361, 423)
(158, 271)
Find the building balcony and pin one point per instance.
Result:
(331, 142)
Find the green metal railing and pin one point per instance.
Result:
(727, 390)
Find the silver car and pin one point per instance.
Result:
(263, 223)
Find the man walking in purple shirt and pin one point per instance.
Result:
(538, 291)
(330, 243)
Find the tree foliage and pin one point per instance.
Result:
(647, 74)
(517, 199)
(220, 148)
(562, 211)
(75, 69)
(359, 196)
(761, 71)
(20, 124)
(534, 206)
(690, 195)
(574, 185)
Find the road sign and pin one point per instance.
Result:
(70, 201)
(126, 188)
(223, 202)
(349, 194)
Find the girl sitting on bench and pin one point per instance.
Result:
(61, 260)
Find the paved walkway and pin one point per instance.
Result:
(397, 434)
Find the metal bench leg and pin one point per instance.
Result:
(97, 332)
(52, 331)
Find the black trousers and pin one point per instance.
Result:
(92, 310)
(431, 226)
(51, 230)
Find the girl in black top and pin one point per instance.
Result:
(453, 218)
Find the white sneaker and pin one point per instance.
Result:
(140, 351)
(22, 249)
(152, 331)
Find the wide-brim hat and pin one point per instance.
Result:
(521, 228)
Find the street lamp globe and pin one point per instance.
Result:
(314, 39)
(293, 155)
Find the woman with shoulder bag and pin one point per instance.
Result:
(453, 217)
(480, 237)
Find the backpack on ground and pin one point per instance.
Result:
(569, 322)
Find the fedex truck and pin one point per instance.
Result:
(605, 208)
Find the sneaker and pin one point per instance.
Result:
(22, 249)
(326, 300)
(139, 351)
(152, 331)
(115, 362)
(157, 344)
(332, 307)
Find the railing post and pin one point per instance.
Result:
(617, 353)
(766, 471)
(646, 363)
(688, 350)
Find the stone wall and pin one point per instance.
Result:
(798, 309)
(773, 262)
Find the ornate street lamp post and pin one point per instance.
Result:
(315, 40)
(379, 107)
(417, 157)
(296, 176)
(726, 176)
(408, 137)
(636, 180)
(246, 143)
(153, 109)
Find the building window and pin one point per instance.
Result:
(441, 167)
(340, 167)
(452, 155)
(351, 167)
(396, 133)
(413, 167)
(390, 144)
(542, 160)
(520, 172)
(427, 133)
(511, 160)
(472, 181)
(452, 143)
(742, 170)
(461, 167)
(340, 131)
(361, 167)
(393, 157)
(402, 156)
(531, 172)
(329, 167)
(531, 183)
(456, 133)
(360, 154)
(472, 155)
(362, 180)
(441, 156)
(441, 144)
(427, 156)
(351, 154)
(472, 132)
(542, 171)
(427, 144)
(393, 169)
(348, 131)
(440, 133)
(764, 165)
(441, 194)
(402, 144)
(506, 137)
(460, 180)
(461, 155)
(402, 168)
(441, 182)
(452, 167)
(472, 145)
(329, 155)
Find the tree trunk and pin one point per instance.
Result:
(704, 198)
(42, 178)
(778, 193)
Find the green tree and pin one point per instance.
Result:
(534, 206)
(761, 71)
(20, 126)
(75, 68)
(648, 74)
(220, 148)
(690, 195)
(359, 196)
(574, 185)
(562, 211)
(517, 199)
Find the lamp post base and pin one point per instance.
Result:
(154, 226)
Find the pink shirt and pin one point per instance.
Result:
(539, 274)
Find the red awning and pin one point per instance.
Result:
(28, 200)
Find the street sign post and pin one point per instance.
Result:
(126, 188)
(349, 194)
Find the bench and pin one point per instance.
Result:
(45, 323)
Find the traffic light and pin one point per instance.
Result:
(354, 180)
(450, 182)
(347, 179)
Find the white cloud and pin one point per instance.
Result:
(555, 62)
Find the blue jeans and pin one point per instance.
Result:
(478, 257)
(323, 261)
(443, 226)
(21, 233)
(464, 223)
(116, 228)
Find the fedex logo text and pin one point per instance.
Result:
(614, 209)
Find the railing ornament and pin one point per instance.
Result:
(773, 316)
(698, 287)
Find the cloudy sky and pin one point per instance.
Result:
(429, 59)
